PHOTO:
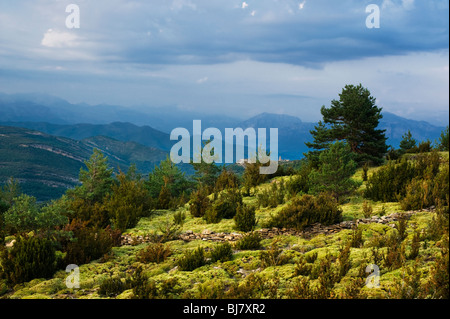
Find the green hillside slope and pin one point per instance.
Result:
(47, 165)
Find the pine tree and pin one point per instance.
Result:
(23, 216)
(86, 200)
(227, 179)
(444, 141)
(206, 174)
(97, 180)
(177, 182)
(128, 202)
(321, 141)
(336, 167)
(353, 118)
(407, 143)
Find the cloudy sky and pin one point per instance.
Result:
(229, 56)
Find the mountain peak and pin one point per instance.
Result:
(272, 120)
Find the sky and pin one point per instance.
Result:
(237, 58)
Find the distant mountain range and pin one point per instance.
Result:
(50, 109)
(151, 126)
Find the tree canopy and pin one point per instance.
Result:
(353, 118)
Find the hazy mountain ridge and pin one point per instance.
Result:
(61, 118)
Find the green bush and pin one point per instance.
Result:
(226, 180)
(224, 207)
(179, 218)
(88, 243)
(142, 287)
(307, 210)
(154, 253)
(192, 259)
(199, 202)
(273, 196)
(128, 201)
(212, 214)
(367, 209)
(389, 181)
(169, 231)
(29, 258)
(302, 267)
(250, 241)
(412, 178)
(423, 147)
(299, 183)
(222, 252)
(245, 219)
(430, 188)
(111, 287)
(274, 256)
(356, 240)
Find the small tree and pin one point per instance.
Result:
(199, 202)
(245, 219)
(227, 179)
(407, 143)
(167, 173)
(444, 141)
(23, 216)
(97, 179)
(336, 167)
(128, 202)
(252, 177)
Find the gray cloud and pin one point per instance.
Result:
(267, 55)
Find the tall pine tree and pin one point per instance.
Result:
(353, 118)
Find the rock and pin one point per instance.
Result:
(173, 269)
(189, 232)
(10, 244)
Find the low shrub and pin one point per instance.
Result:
(273, 196)
(111, 287)
(224, 207)
(88, 243)
(250, 241)
(222, 252)
(199, 202)
(389, 181)
(192, 259)
(154, 253)
(367, 209)
(179, 218)
(245, 218)
(29, 258)
(356, 240)
(273, 257)
(307, 210)
(302, 267)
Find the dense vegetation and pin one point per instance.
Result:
(86, 227)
